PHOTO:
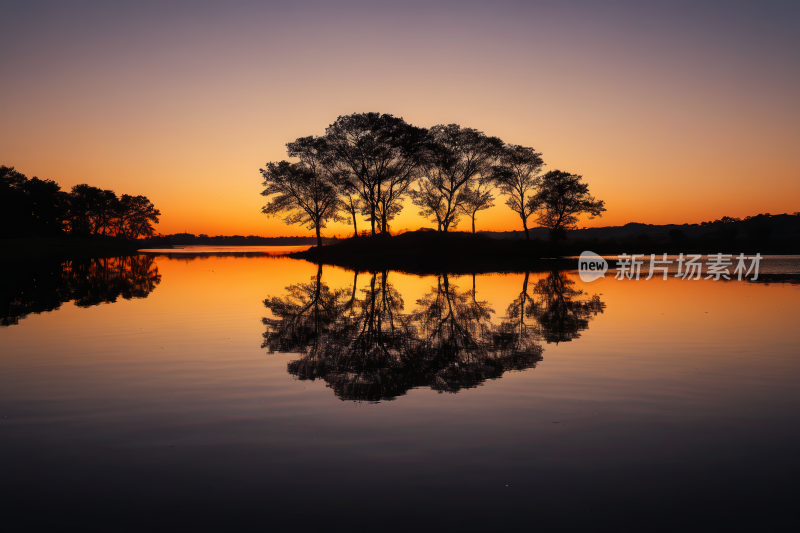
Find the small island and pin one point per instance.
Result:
(367, 165)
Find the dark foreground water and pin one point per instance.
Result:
(260, 393)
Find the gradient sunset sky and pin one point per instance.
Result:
(673, 112)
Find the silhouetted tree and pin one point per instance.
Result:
(10, 179)
(378, 155)
(107, 208)
(92, 210)
(314, 153)
(517, 176)
(432, 204)
(352, 204)
(456, 158)
(476, 199)
(135, 216)
(30, 206)
(39, 207)
(12, 201)
(560, 200)
(305, 196)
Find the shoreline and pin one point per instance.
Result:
(418, 251)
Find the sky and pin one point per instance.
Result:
(674, 112)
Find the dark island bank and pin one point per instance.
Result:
(432, 251)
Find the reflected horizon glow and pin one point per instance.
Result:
(678, 393)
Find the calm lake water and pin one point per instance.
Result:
(208, 392)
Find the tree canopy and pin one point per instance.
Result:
(367, 164)
(376, 155)
(301, 194)
(517, 176)
(456, 159)
(35, 207)
(561, 198)
(479, 198)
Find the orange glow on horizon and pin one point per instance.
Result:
(669, 117)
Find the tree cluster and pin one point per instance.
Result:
(367, 164)
(35, 207)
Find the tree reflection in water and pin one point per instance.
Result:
(50, 282)
(560, 314)
(367, 348)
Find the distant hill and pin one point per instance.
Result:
(763, 228)
(425, 251)
(779, 233)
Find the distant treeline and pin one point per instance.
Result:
(759, 233)
(240, 240)
(760, 227)
(425, 252)
(32, 207)
(730, 220)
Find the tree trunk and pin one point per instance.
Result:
(319, 238)
(525, 225)
(372, 211)
(473, 223)
(355, 228)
